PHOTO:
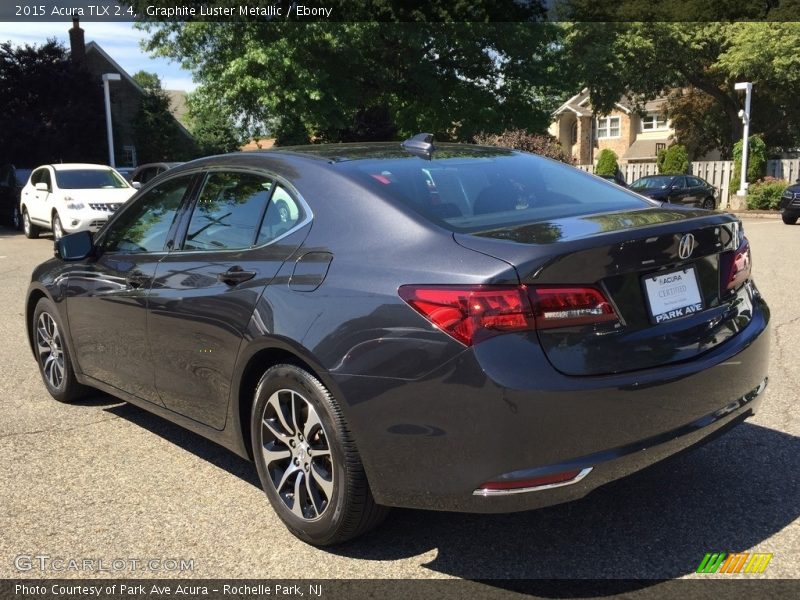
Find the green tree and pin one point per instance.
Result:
(676, 160)
(52, 110)
(158, 134)
(212, 126)
(644, 60)
(368, 80)
(607, 163)
(756, 159)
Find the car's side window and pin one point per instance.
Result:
(679, 183)
(228, 211)
(283, 213)
(41, 176)
(694, 182)
(145, 224)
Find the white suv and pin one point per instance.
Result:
(71, 197)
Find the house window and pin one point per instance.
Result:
(653, 121)
(574, 134)
(660, 146)
(607, 127)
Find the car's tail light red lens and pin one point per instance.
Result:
(739, 266)
(473, 313)
(569, 306)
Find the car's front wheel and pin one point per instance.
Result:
(52, 354)
(31, 231)
(709, 204)
(789, 219)
(307, 461)
(58, 230)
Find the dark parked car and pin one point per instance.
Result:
(615, 178)
(677, 189)
(144, 173)
(454, 327)
(11, 182)
(790, 203)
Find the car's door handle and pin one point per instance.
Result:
(235, 275)
(137, 280)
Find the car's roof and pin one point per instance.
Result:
(77, 166)
(336, 153)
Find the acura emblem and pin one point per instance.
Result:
(686, 246)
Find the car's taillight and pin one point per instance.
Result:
(737, 266)
(568, 306)
(471, 313)
(475, 312)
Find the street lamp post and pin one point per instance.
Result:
(745, 116)
(106, 78)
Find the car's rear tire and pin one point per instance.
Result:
(31, 230)
(307, 460)
(789, 220)
(52, 354)
(58, 230)
(709, 204)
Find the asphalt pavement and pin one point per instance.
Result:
(103, 480)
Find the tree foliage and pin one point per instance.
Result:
(703, 61)
(756, 159)
(367, 80)
(537, 143)
(607, 163)
(51, 110)
(675, 161)
(158, 134)
(212, 125)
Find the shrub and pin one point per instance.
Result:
(607, 163)
(676, 160)
(519, 139)
(766, 194)
(756, 161)
(660, 157)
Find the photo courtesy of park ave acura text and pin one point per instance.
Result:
(403, 299)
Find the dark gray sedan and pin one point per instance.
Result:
(677, 189)
(431, 326)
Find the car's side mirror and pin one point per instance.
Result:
(42, 187)
(75, 246)
(136, 184)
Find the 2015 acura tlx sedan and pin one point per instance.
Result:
(446, 327)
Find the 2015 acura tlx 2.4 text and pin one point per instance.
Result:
(447, 327)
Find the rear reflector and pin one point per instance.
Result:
(531, 484)
(473, 313)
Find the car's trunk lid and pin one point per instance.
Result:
(618, 253)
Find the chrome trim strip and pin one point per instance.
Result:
(548, 486)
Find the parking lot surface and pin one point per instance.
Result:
(105, 480)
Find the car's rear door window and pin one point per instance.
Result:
(228, 211)
(283, 213)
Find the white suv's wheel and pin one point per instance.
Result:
(58, 231)
(31, 230)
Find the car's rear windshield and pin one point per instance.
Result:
(87, 179)
(655, 181)
(470, 194)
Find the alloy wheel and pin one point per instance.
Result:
(58, 232)
(26, 223)
(297, 454)
(50, 350)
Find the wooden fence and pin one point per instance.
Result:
(716, 172)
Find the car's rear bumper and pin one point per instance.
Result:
(500, 408)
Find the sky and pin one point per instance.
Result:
(119, 40)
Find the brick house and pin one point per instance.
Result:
(126, 97)
(633, 137)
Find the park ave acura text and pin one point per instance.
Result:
(447, 327)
